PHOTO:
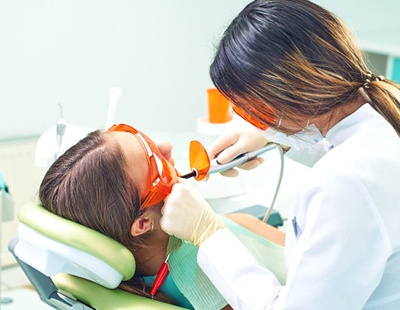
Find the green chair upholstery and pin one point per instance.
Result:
(102, 298)
(61, 249)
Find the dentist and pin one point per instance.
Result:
(291, 69)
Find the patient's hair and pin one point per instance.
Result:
(89, 185)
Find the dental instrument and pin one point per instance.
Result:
(199, 161)
(215, 166)
(60, 131)
(239, 160)
(201, 165)
(114, 94)
(160, 278)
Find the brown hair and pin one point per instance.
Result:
(298, 59)
(88, 184)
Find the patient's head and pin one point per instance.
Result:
(102, 182)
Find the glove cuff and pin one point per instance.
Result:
(216, 225)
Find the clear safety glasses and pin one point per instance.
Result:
(160, 171)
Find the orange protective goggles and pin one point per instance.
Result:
(247, 117)
(159, 168)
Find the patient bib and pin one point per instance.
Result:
(195, 285)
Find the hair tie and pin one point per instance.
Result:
(368, 79)
(370, 76)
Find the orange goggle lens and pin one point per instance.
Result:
(161, 185)
(159, 190)
(247, 117)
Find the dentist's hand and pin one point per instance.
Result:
(188, 216)
(231, 145)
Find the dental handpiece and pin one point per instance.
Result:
(215, 166)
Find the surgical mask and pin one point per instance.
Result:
(306, 147)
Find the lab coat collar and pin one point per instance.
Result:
(351, 124)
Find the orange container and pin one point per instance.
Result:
(218, 107)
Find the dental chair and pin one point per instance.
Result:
(72, 266)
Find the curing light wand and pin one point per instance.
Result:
(214, 166)
(160, 278)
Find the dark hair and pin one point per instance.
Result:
(298, 59)
(89, 185)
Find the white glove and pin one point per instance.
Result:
(230, 145)
(188, 216)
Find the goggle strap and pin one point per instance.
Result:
(155, 196)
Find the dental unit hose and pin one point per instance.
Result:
(278, 183)
(245, 157)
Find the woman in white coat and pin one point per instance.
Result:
(292, 70)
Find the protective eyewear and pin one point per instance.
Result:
(161, 173)
(249, 118)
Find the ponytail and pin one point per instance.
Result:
(385, 98)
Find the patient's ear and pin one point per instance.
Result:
(141, 225)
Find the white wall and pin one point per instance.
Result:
(72, 52)
(158, 52)
(365, 15)
(23, 180)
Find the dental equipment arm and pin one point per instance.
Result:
(114, 94)
(60, 131)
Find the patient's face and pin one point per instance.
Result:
(137, 164)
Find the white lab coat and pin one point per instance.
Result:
(343, 237)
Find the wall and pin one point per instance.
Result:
(71, 52)
(22, 179)
(365, 15)
(376, 26)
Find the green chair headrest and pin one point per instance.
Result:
(78, 236)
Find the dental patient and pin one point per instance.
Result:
(114, 182)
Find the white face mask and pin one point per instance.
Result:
(306, 147)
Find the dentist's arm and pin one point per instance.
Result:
(228, 264)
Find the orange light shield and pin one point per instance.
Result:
(199, 160)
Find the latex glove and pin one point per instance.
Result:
(230, 145)
(187, 216)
